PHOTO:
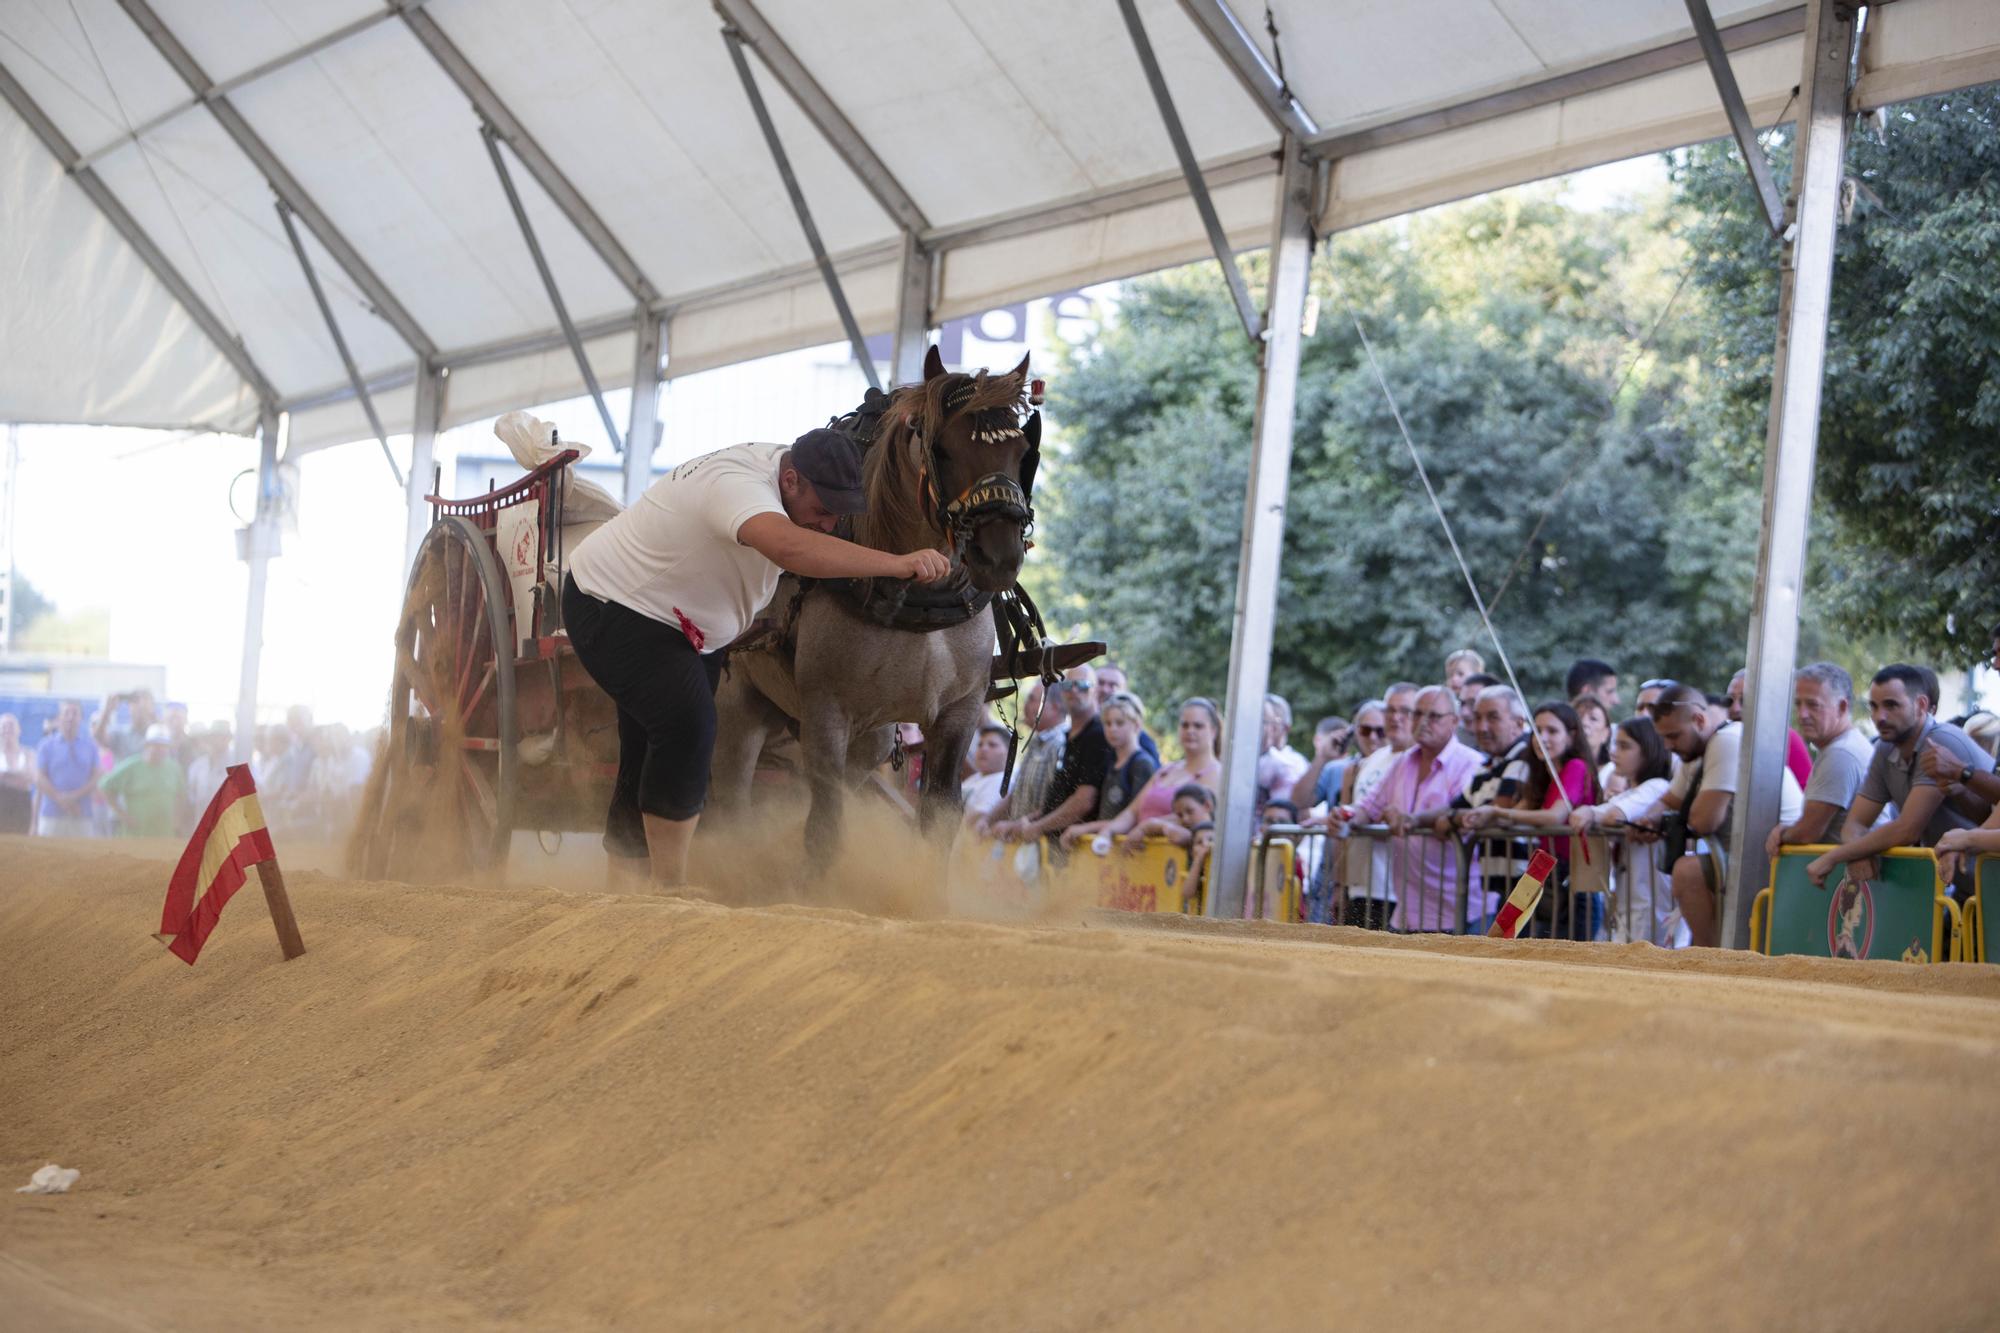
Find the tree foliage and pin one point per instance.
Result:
(1907, 537)
(1589, 392)
(1510, 333)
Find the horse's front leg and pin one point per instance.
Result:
(947, 737)
(825, 738)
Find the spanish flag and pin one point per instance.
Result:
(230, 838)
(1520, 904)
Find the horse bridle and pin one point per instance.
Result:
(993, 496)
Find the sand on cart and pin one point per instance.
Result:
(543, 1107)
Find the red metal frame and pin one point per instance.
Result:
(536, 488)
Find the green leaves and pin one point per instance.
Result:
(1506, 328)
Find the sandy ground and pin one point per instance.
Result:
(543, 1107)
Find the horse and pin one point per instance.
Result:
(851, 658)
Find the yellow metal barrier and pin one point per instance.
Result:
(988, 876)
(1153, 879)
(1279, 861)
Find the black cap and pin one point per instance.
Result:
(831, 461)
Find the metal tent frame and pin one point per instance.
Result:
(1307, 159)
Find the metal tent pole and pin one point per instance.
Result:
(733, 39)
(491, 137)
(260, 543)
(913, 312)
(643, 435)
(425, 415)
(339, 342)
(1255, 621)
(1218, 241)
(1804, 306)
(1739, 116)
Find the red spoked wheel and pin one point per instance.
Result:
(443, 804)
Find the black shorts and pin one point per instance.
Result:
(665, 692)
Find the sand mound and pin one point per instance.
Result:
(536, 1108)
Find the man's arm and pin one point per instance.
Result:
(1812, 826)
(1903, 831)
(100, 721)
(1080, 803)
(1707, 812)
(1944, 766)
(816, 555)
(1305, 792)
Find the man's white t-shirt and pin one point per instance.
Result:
(674, 557)
(1718, 773)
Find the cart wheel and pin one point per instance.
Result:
(446, 805)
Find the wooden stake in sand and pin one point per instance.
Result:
(230, 838)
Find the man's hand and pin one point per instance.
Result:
(1478, 817)
(1398, 822)
(1774, 842)
(925, 566)
(1015, 830)
(1326, 746)
(1941, 765)
(1862, 869)
(1947, 864)
(1442, 826)
(1819, 868)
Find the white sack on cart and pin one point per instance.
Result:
(533, 442)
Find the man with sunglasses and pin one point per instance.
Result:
(1709, 746)
(1649, 694)
(1418, 790)
(1086, 762)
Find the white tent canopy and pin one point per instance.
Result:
(1020, 139)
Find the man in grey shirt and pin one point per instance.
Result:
(1900, 703)
(1824, 696)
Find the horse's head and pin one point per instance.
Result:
(956, 458)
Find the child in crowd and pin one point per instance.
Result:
(1642, 905)
(1193, 804)
(981, 792)
(1264, 899)
(1200, 846)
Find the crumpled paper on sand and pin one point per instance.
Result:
(51, 1179)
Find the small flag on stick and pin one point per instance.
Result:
(1520, 904)
(230, 838)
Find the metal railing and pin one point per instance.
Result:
(1607, 886)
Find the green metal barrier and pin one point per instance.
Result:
(1902, 914)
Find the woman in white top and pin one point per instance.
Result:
(1642, 897)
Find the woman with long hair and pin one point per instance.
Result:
(1596, 719)
(1642, 906)
(1124, 718)
(1152, 811)
(1561, 777)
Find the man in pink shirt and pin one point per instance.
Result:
(1418, 789)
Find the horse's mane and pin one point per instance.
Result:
(893, 476)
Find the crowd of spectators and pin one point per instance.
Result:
(1466, 768)
(138, 770)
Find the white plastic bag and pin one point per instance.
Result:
(51, 1179)
(533, 442)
